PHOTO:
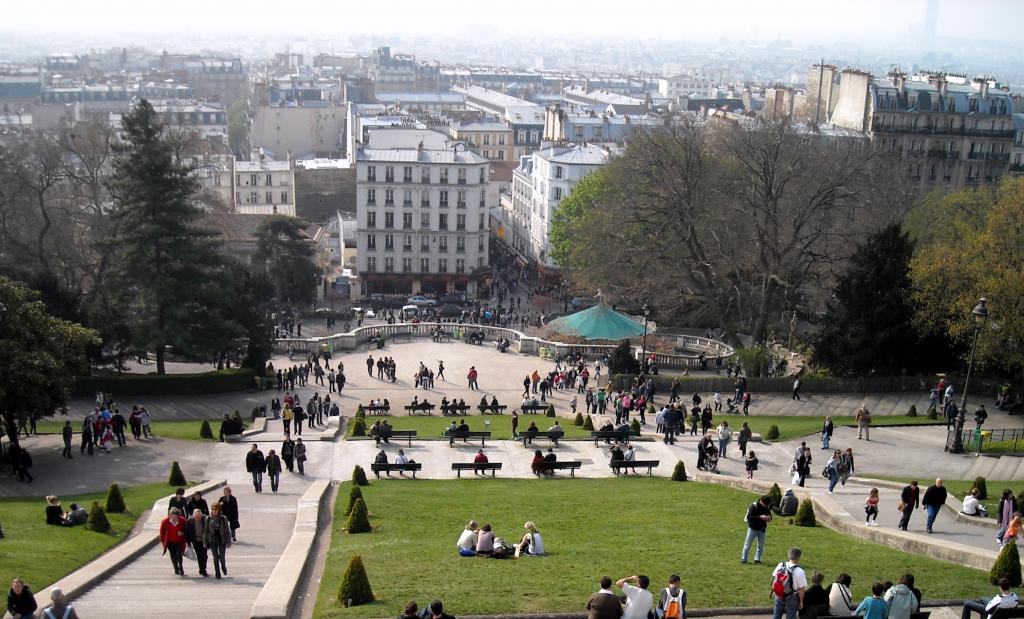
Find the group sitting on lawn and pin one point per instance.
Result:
(56, 515)
(476, 541)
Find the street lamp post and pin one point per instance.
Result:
(643, 353)
(956, 445)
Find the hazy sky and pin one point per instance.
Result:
(801, 20)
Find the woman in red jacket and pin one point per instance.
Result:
(172, 537)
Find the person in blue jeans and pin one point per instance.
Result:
(758, 516)
(832, 468)
(789, 582)
(933, 500)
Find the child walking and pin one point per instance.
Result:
(1012, 529)
(751, 462)
(871, 508)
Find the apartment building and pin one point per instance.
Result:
(264, 187)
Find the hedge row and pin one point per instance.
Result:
(234, 379)
(817, 384)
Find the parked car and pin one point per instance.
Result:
(449, 310)
(457, 298)
(421, 301)
(383, 301)
(367, 312)
(410, 313)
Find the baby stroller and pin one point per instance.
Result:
(733, 404)
(712, 456)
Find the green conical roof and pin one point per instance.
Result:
(597, 323)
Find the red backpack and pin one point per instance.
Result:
(782, 581)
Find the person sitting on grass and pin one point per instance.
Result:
(873, 606)
(815, 598)
(55, 513)
(531, 544)
(436, 611)
(788, 505)
(78, 515)
(467, 541)
(840, 599)
(972, 506)
(672, 600)
(412, 611)
(485, 541)
(902, 602)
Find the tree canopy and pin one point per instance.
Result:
(287, 253)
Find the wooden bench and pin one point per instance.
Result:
(476, 467)
(491, 409)
(465, 435)
(534, 409)
(571, 465)
(387, 467)
(529, 437)
(419, 408)
(400, 434)
(616, 465)
(444, 336)
(377, 410)
(453, 410)
(611, 435)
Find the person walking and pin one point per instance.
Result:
(724, 434)
(832, 469)
(796, 388)
(217, 537)
(195, 528)
(229, 508)
(789, 582)
(472, 376)
(827, 430)
(86, 435)
(274, 470)
(288, 452)
(66, 433)
(256, 464)
(440, 370)
(515, 424)
(300, 456)
(145, 419)
(863, 423)
(758, 516)
(743, 437)
(933, 500)
(750, 463)
(871, 508)
(172, 538)
(118, 423)
(909, 500)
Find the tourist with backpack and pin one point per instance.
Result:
(788, 585)
(672, 601)
(758, 516)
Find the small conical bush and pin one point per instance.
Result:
(359, 519)
(98, 518)
(913, 411)
(588, 423)
(550, 412)
(355, 586)
(1007, 565)
(360, 412)
(115, 502)
(578, 421)
(205, 431)
(775, 496)
(805, 515)
(176, 478)
(773, 433)
(358, 427)
(634, 427)
(359, 476)
(354, 493)
(932, 413)
(679, 473)
(979, 483)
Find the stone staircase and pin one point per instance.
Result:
(997, 467)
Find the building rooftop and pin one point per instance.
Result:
(603, 96)
(237, 227)
(265, 165)
(482, 126)
(525, 114)
(414, 155)
(491, 97)
(392, 98)
(576, 155)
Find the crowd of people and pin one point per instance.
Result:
(191, 530)
(476, 541)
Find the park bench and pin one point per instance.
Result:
(465, 435)
(444, 336)
(452, 410)
(611, 435)
(476, 467)
(616, 465)
(420, 408)
(400, 434)
(534, 409)
(387, 467)
(491, 409)
(377, 409)
(529, 437)
(571, 465)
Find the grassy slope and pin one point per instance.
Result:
(961, 487)
(791, 427)
(652, 526)
(432, 426)
(42, 554)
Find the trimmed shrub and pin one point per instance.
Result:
(913, 411)
(205, 431)
(355, 586)
(98, 518)
(588, 423)
(176, 478)
(679, 473)
(579, 420)
(773, 433)
(353, 494)
(115, 502)
(775, 495)
(550, 412)
(979, 483)
(360, 412)
(622, 360)
(220, 381)
(358, 519)
(634, 426)
(1007, 565)
(933, 413)
(359, 476)
(358, 427)
(805, 514)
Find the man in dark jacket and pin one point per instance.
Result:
(194, 528)
(671, 420)
(910, 497)
(256, 464)
(758, 516)
(934, 499)
(604, 604)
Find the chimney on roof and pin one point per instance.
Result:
(981, 85)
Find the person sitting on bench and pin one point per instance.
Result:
(531, 544)
(972, 506)
(623, 427)
(402, 459)
(556, 427)
(530, 431)
(530, 402)
(444, 405)
(1005, 599)
(616, 454)
(483, 403)
(537, 464)
(480, 458)
(462, 404)
(463, 427)
(494, 403)
(551, 457)
(382, 458)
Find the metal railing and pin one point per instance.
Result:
(1005, 440)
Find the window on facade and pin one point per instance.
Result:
(558, 193)
(462, 176)
(425, 199)
(407, 221)
(534, 137)
(407, 174)
(389, 197)
(389, 220)
(598, 132)
(269, 197)
(389, 174)
(487, 139)
(558, 171)
(371, 196)
(425, 176)
(481, 226)
(424, 265)
(460, 244)
(444, 176)
(442, 245)
(269, 180)
(389, 264)
(371, 174)
(216, 181)
(252, 179)
(442, 221)
(389, 242)
(442, 199)
(371, 264)
(442, 265)
(482, 176)
(521, 136)
(501, 139)
(371, 219)
(579, 131)
(424, 220)
(407, 197)
(460, 222)
(424, 242)
(480, 243)
(284, 197)
(460, 266)
(406, 242)
(371, 242)
(407, 265)
(480, 261)
(501, 155)
(253, 197)
(460, 197)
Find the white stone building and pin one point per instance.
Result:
(265, 187)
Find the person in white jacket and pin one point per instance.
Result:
(724, 434)
(840, 600)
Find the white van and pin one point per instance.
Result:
(409, 312)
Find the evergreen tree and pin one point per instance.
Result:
(578, 421)
(622, 360)
(355, 586)
(359, 476)
(868, 327)
(775, 496)
(176, 478)
(169, 268)
(288, 255)
(1007, 565)
(773, 433)
(982, 486)
(98, 518)
(358, 519)
(115, 502)
(588, 423)
(353, 494)
(679, 473)
(205, 431)
(805, 515)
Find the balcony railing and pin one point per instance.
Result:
(938, 153)
(460, 205)
(877, 127)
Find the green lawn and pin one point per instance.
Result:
(42, 554)
(186, 430)
(791, 427)
(961, 487)
(651, 526)
(428, 426)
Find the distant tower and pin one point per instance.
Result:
(931, 19)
